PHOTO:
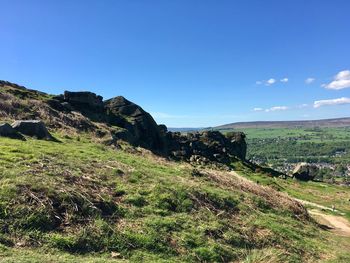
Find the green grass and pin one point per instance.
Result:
(317, 192)
(316, 145)
(79, 200)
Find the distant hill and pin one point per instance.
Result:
(339, 122)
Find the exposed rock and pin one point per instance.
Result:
(6, 130)
(143, 130)
(33, 128)
(238, 146)
(84, 100)
(55, 104)
(305, 172)
(202, 147)
(66, 106)
(163, 129)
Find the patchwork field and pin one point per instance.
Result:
(282, 148)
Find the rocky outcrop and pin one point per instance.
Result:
(6, 130)
(142, 129)
(203, 147)
(238, 145)
(305, 172)
(114, 120)
(34, 128)
(84, 100)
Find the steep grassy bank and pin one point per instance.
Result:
(79, 200)
(319, 197)
(324, 194)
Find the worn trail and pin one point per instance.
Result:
(338, 225)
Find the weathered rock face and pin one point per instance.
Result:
(305, 172)
(33, 128)
(84, 100)
(238, 145)
(206, 146)
(143, 130)
(6, 130)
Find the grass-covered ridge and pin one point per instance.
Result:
(82, 198)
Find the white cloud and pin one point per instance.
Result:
(258, 109)
(320, 103)
(270, 82)
(341, 81)
(309, 80)
(277, 108)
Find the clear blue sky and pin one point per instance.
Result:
(190, 63)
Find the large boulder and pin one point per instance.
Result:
(305, 171)
(6, 130)
(143, 129)
(237, 145)
(84, 100)
(33, 128)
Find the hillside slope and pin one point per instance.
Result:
(102, 191)
(78, 196)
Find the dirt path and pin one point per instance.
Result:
(337, 224)
(304, 202)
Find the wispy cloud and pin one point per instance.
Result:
(309, 80)
(282, 108)
(339, 101)
(270, 82)
(341, 81)
(277, 108)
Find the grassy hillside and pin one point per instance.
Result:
(316, 192)
(80, 201)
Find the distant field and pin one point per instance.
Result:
(278, 146)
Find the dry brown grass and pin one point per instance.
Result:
(272, 197)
